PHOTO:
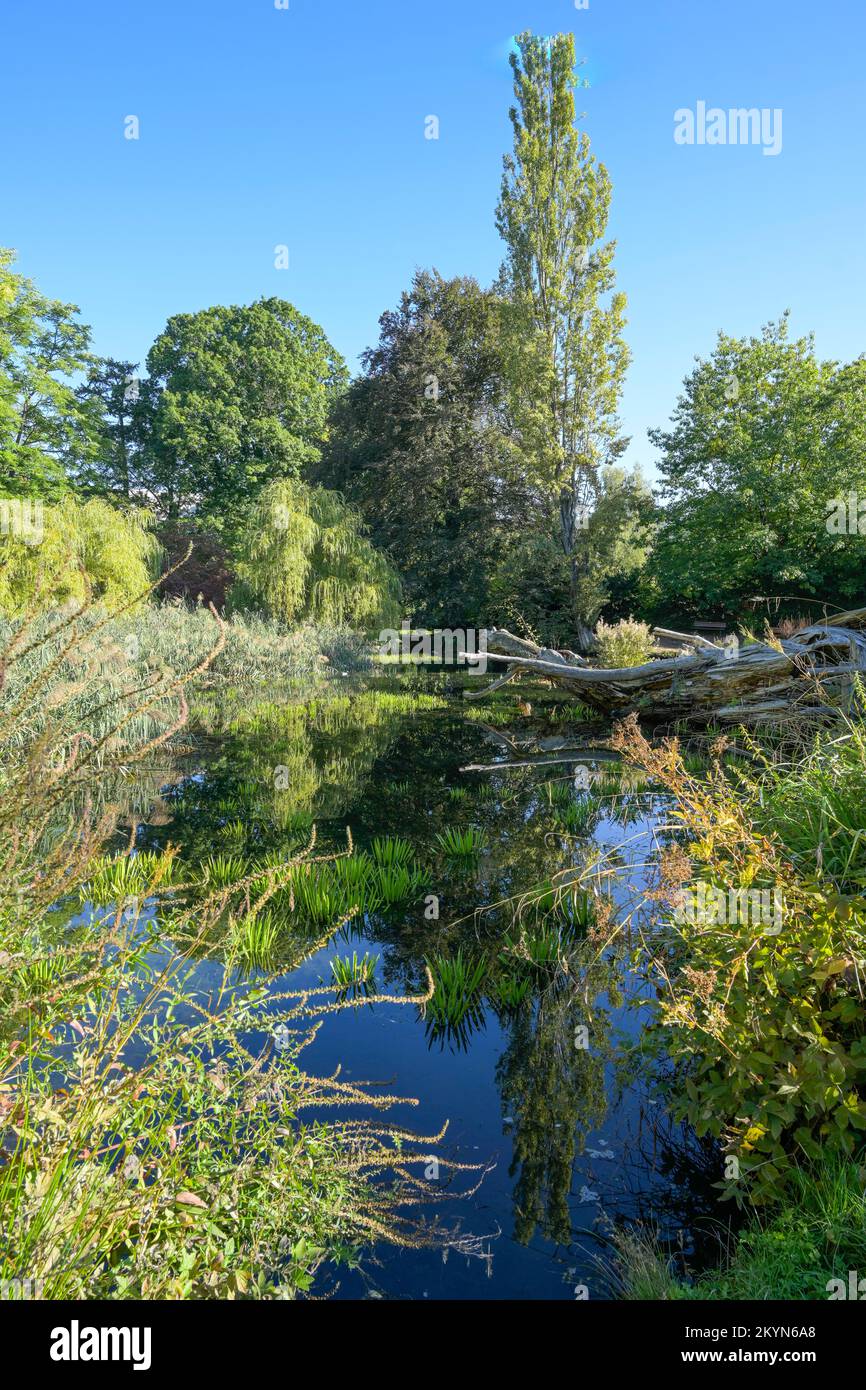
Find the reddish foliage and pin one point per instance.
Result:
(206, 575)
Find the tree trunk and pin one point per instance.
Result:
(807, 674)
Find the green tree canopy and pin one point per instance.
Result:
(423, 444)
(113, 462)
(43, 345)
(764, 437)
(532, 587)
(78, 548)
(236, 398)
(302, 554)
(567, 354)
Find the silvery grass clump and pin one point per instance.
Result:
(152, 1133)
(109, 669)
(256, 649)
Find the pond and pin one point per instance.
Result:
(525, 1050)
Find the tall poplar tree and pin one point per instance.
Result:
(567, 353)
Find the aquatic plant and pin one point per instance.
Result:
(221, 871)
(496, 716)
(355, 883)
(119, 878)
(255, 939)
(510, 989)
(542, 944)
(568, 712)
(392, 852)
(695, 763)
(318, 895)
(398, 883)
(559, 793)
(578, 816)
(350, 973)
(457, 983)
(563, 899)
(461, 844)
(610, 783)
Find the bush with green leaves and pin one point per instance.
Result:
(762, 1012)
(626, 643)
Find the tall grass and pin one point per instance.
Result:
(802, 1252)
(116, 659)
(816, 805)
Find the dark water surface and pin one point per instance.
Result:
(569, 1142)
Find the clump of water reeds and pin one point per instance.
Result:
(510, 989)
(391, 852)
(563, 900)
(457, 985)
(351, 973)
(349, 885)
(122, 877)
(578, 816)
(457, 843)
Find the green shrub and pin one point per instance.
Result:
(626, 643)
(763, 1012)
(531, 589)
(820, 800)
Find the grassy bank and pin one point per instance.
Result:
(803, 1251)
(758, 970)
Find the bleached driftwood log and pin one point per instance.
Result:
(806, 673)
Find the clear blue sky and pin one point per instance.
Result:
(305, 126)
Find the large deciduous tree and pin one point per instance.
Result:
(423, 444)
(43, 345)
(235, 398)
(85, 549)
(567, 353)
(302, 554)
(765, 440)
(114, 464)
(532, 587)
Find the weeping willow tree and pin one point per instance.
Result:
(303, 556)
(50, 555)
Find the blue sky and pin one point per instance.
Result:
(305, 127)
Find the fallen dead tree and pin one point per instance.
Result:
(807, 674)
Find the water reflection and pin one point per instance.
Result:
(518, 1048)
